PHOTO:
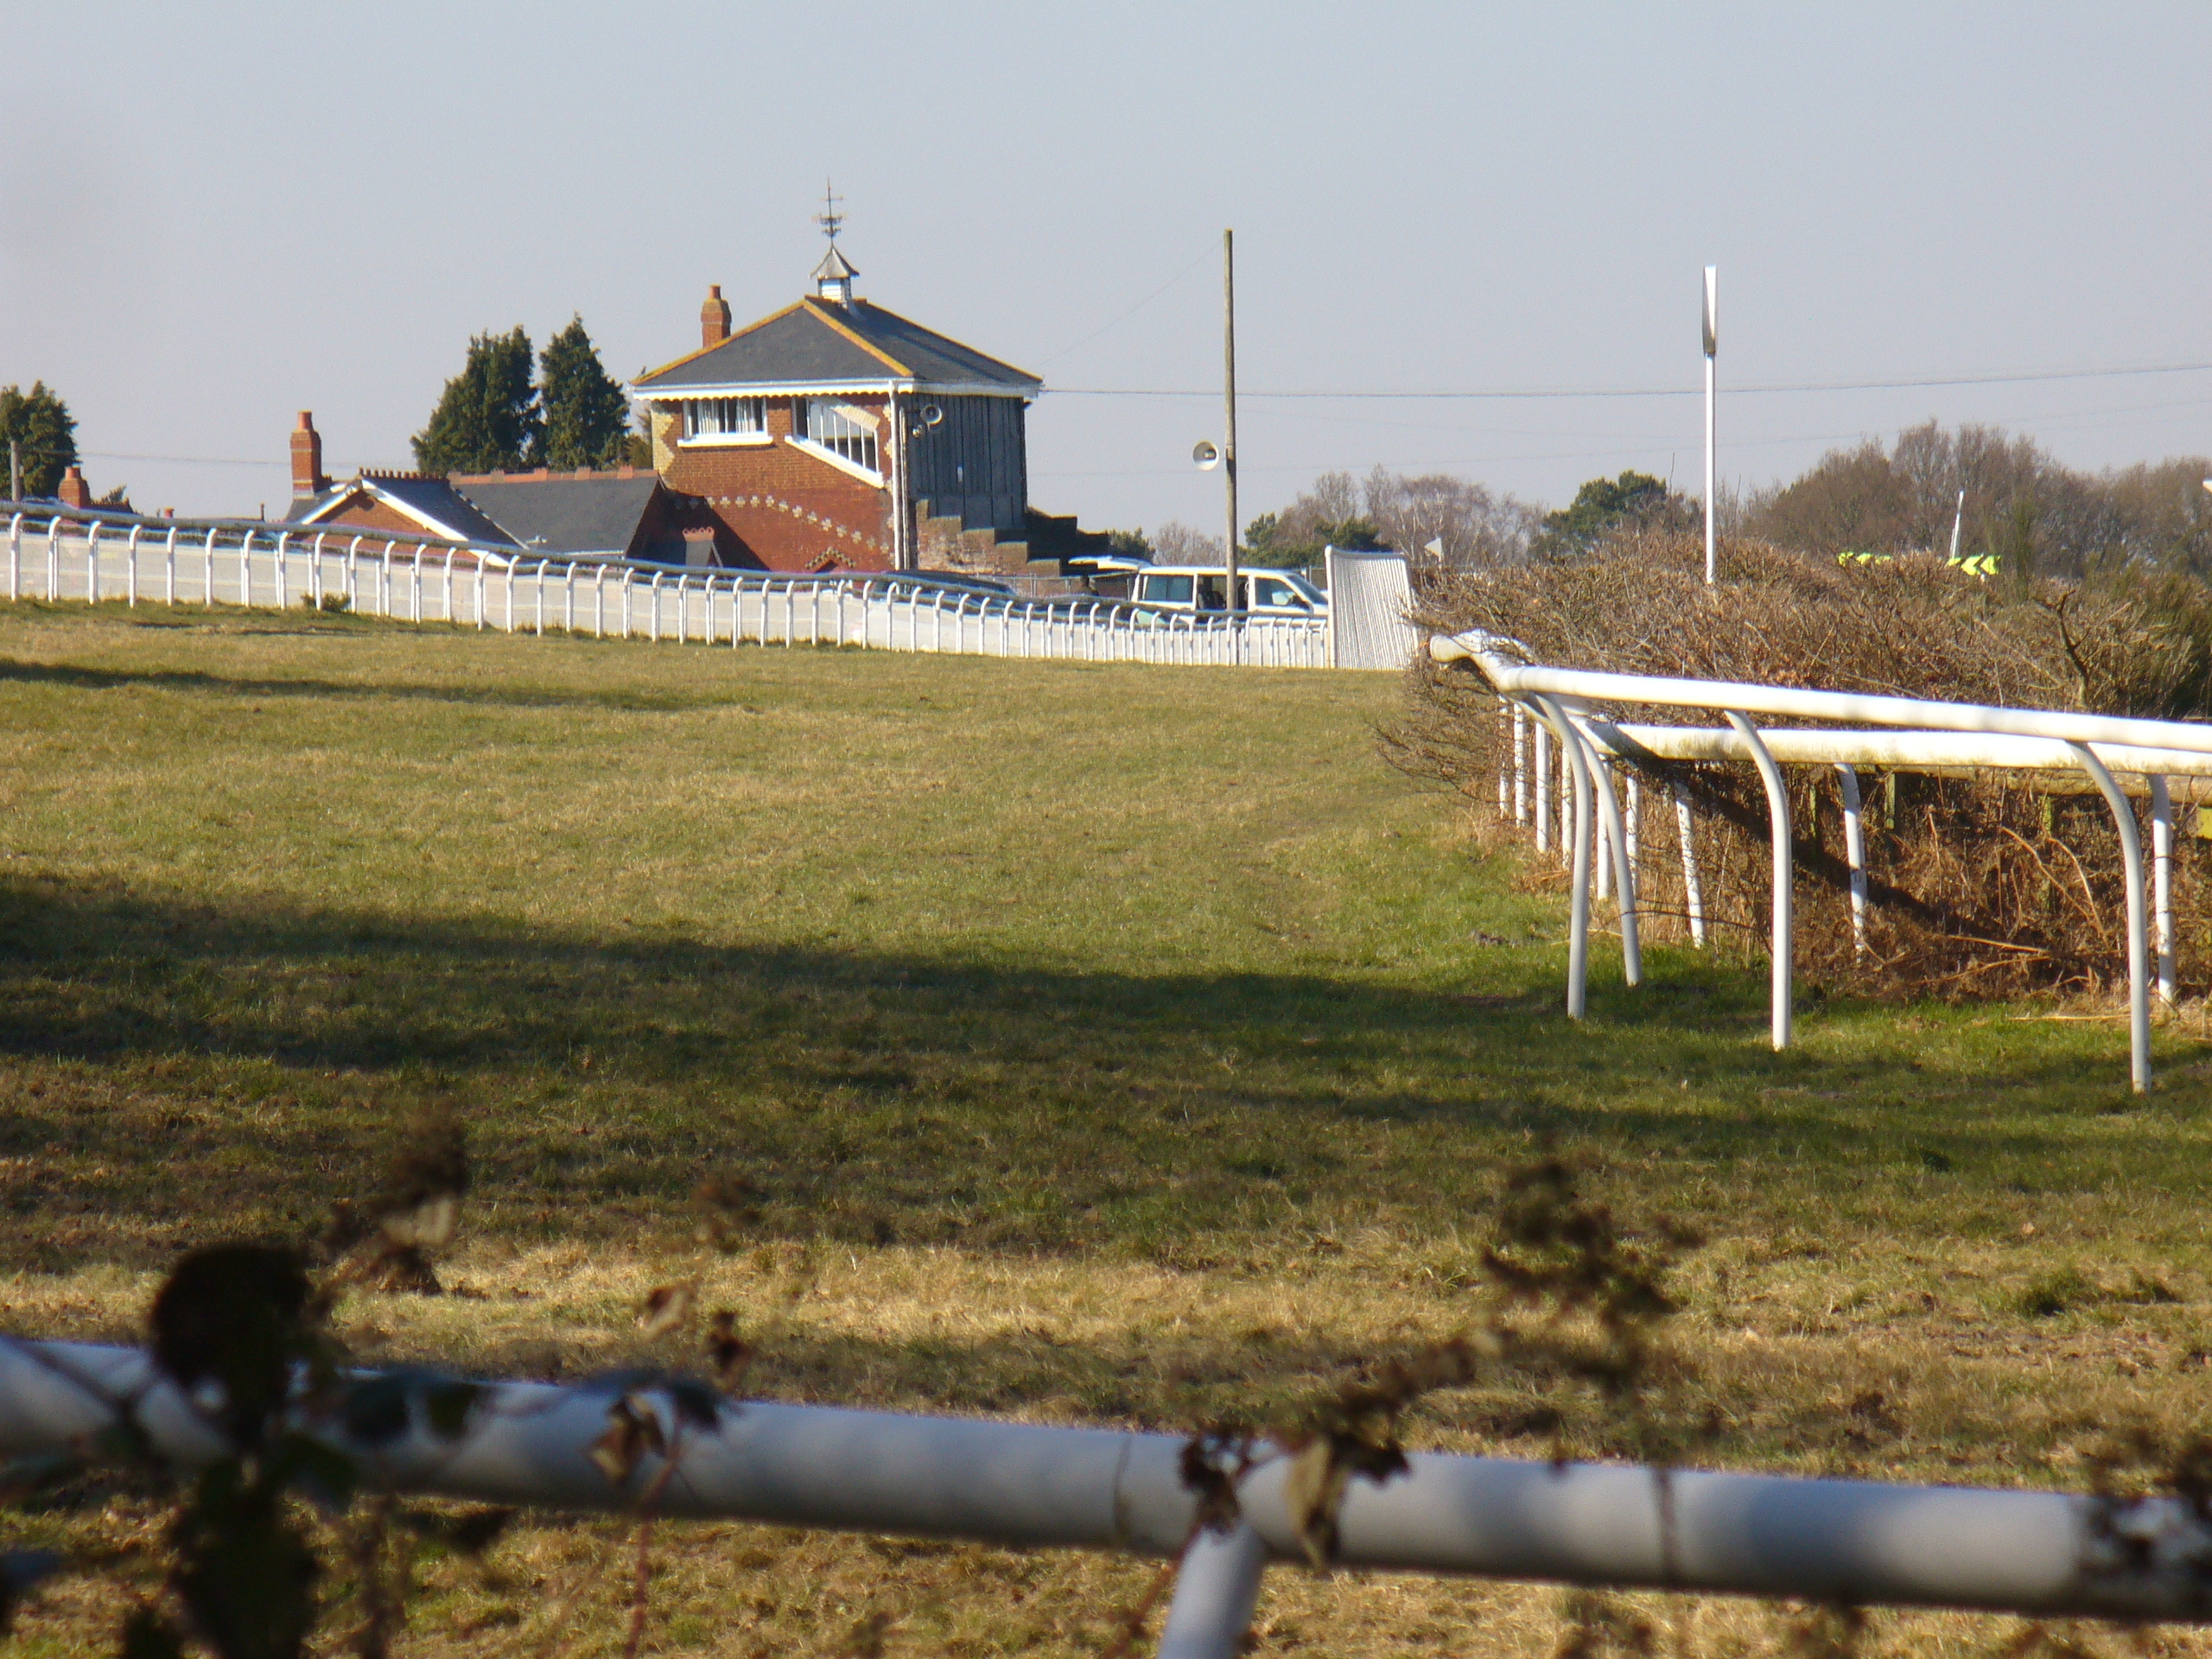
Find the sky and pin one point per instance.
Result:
(215, 216)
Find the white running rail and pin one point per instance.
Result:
(2038, 1553)
(71, 554)
(1911, 732)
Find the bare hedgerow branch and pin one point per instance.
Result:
(1959, 867)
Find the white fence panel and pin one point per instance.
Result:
(92, 557)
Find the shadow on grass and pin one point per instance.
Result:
(191, 682)
(175, 1070)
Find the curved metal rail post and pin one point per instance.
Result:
(1578, 935)
(1543, 749)
(1854, 848)
(1777, 808)
(1693, 894)
(2162, 885)
(1617, 839)
(1216, 1590)
(2131, 853)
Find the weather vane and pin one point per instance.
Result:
(828, 219)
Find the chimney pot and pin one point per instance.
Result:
(307, 477)
(713, 318)
(74, 492)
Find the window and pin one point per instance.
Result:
(1274, 591)
(843, 432)
(1164, 590)
(724, 418)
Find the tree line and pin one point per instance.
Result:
(2006, 497)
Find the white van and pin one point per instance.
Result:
(1202, 589)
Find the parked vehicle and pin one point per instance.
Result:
(1180, 589)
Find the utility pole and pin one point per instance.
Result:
(1229, 397)
(14, 470)
(1711, 340)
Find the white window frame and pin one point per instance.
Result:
(688, 413)
(869, 431)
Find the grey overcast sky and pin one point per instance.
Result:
(212, 216)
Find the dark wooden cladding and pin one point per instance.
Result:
(974, 462)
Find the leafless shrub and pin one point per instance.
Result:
(1981, 884)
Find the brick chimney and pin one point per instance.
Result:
(307, 458)
(74, 492)
(713, 318)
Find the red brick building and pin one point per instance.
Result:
(836, 435)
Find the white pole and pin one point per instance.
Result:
(1777, 805)
(16, 557)
(2131, 853)
(1712, 342)
(1565, 794)
(1958, 522)
(1543, 787)
(1521, 764)
(1216, 1588)
(1693, 894)
(1854, 847)
(2162, 885)
(1602, 778)
(92, 564)
(130, 567)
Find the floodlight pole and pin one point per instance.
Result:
(1712, 339)
(1229, 400)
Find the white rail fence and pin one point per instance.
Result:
(2035, 1553)
(77, 555)
(1556, 705)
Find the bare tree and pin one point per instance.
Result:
(1468, 527)
(1178, 543)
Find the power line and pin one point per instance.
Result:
(1565, 393)
(1131, 312)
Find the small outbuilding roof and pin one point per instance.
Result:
(596, 512)
(817, 342)
(574, 514)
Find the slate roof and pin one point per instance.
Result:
(817, 342)
(436, 499)
(599, 514)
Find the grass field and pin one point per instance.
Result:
(1097, 1044)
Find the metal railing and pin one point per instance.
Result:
(1913, 733)
(2032, 1552)
(72, 554)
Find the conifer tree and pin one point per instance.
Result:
(587, 417)
(488, 418)
(39, 425)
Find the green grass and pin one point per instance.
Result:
(1101, 1043)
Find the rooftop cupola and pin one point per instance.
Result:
(833, 277)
